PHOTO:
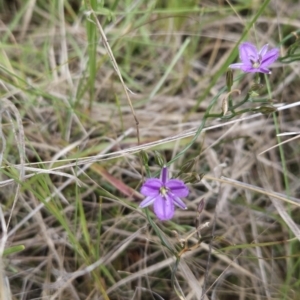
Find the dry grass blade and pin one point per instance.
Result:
(290, 200)
(5, 293)
(115, 65)
(18, 131)
(132, 150)
(6, 108)
(68, 182)
(280, 144)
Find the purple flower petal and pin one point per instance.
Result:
(248, 52)
(264, 70)
(177, 187)
(269, 58)
(263, 50)
(249, 69)
(147, 201)
(164, 207)
(151, 187)
(178, 202)
(236, 66)
(164, 175)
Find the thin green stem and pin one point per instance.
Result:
(281, 152)
(287, 189)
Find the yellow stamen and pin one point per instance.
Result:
(163, 191)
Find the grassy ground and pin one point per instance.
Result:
(73, 89)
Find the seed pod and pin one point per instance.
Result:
(224, 106)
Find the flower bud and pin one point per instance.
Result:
(186, 167)
(200, 206)
(266, 109)
(229, 79)
(192, 177)
(255, 89)
(144, 157)
(159, 159)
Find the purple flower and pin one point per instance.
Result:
(254, 61)
(164, 193)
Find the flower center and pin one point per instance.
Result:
(256, 63)
(163, 191)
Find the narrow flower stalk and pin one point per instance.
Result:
(164, 194)
(254, 61)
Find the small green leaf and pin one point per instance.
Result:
(13, 249)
